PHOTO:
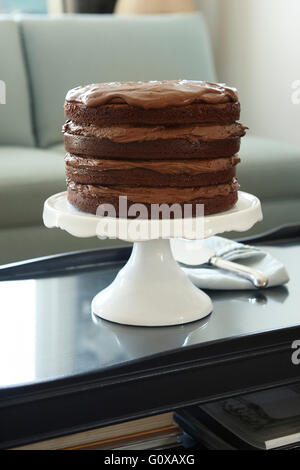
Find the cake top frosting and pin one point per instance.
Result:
(154, 94)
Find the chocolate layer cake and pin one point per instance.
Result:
(154, 142)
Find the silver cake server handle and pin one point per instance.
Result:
(195, 254)
(257, 278)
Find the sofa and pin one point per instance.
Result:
(42, 57)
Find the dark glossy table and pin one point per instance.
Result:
(63, 371)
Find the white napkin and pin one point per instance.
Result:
(209, 277)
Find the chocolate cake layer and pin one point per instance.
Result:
(118, 114)
(156, 102)
(127, 134)
(165, 167)
(154, 150)
(157, 195)
(153, 94)
(88, 198)
(187, 173)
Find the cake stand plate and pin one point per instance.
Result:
(151, 290)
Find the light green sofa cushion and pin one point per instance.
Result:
(68, 51)
(27, 178)
(270, 169)
(15, 115)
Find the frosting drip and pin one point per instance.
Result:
(169, 167)
(154, 94)
(128, 134)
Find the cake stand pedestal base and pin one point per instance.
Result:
(152, 290)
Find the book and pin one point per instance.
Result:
(155, 439)
(262, 421)
(113, 436)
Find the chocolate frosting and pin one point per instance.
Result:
(157, 195)
(168, 167)
(128, 134)
(154, 94)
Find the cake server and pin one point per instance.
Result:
(196, 254)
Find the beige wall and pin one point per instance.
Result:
(257, 49)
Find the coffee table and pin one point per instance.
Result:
(53, 351)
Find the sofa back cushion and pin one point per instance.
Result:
(67, 51)
(15, 115)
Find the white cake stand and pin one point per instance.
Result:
(151, 290)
